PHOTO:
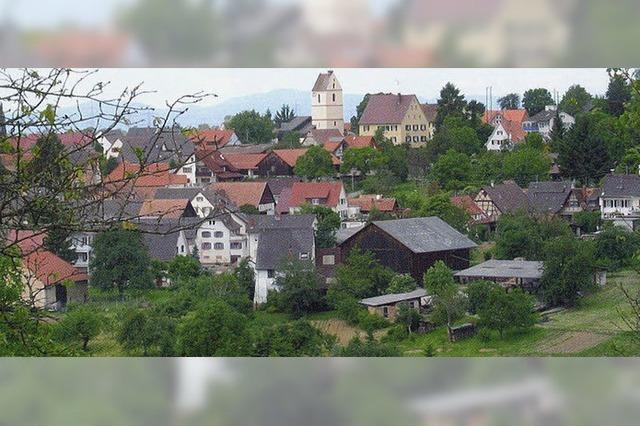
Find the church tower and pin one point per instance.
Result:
(326, 103)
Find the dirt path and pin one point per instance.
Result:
(571, 342)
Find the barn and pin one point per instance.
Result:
(411, 246)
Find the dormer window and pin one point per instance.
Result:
(304, 256)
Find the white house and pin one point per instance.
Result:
(620, 200)
(81, 244)
(221, 239)
(499, 139)
(543, 121)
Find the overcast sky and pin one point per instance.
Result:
(426, 83)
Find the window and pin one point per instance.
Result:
(416, 138)
(212, 222)
(423, 127)
(186, 170)
(385, 312)
(182, 248)
(423, 138)
(315, 201)
(270, 273)
(415, 127)
(218, 234)
(237, 245)
(318, 97)
(205, 234)
(407, 127)
(206, 246)
(333, 97)
(83, 257)
(335, 123)
(304, 256)
(328, 259)
(407, 139)
(85, 241)
(218, 246)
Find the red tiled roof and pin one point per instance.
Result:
(302, 192)
(332, 146)
(212, 138)
(323, 136)
(466, 202)
(368, 202)
(245, 161)
(354, 141)
(43, 264)
(430, 111)
(241, 193)
(153, 175)
(511, 121)
(386, 108)
(216, 161)
(164, 208)
(290, 156)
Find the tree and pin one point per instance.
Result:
(328, 224)
(401, 283)
(583, 155)
(298, 289)
(290, 140)
(184, 267)
(568, 270)
(249, 209)
(526, 165)
(452, 170)
(618, 94)
(509, 101)
(369, 348)
(587, 221)
(80, 323)
(440, 205)
(474, 112)
(360, 276)
(557, 131)
(615, 246)
(314, 163)
(58, 241)
(213, 329)
(507, 310)
(364, 160)
(535, 100)
(576, 100)
(284, 115)
(533, 141)
(355, 120)
(451, 103)
(120, 261)
(296, 338)
(408, 317)
(147, 331)
(246, 277)
(251, 127)
(439, 282)
(478, 294)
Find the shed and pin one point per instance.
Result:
(387, 305)
(508, 273)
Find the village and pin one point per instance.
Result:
(412, 229)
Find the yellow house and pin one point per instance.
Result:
(402, 117)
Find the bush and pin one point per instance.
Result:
(615, 246)
(477, 294)
(369, 348)
(80, 324)
(505, 311)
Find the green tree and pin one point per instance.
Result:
(568, 270)
(80, 324)
(587, 221)
(291, 140)
(509, 101)
(615, 246)
(249, 209)
(576, 100)
(440, 205)
(251, 127)
(533, 141)
(401, 283)
(452, 170)
(284, 115)
(478, 294)
(296, 338)
(557, 131)
(526, 165)
(583, 155)
(355, 120)
(618, 94)
(246, 277)
(451, 103)
(315, 163)
(58, 241)
(507, 310)
(120, 261)
(360, 276)
(363, 160)
(328, 224)
(298, 289)
(213, 329)
(408, 317)
(147, 331)
(439, 282)
(535, 100)
(184, 267)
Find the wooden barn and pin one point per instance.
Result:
(411, 246)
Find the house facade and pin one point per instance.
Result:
(221, 239)
(543, 121)
(496, 200)
(401, 117)
(620, 200)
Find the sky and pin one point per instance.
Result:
(426, 83)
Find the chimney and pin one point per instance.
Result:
(399, 98)
(330, 72)
(379, 196)
(492, 184)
